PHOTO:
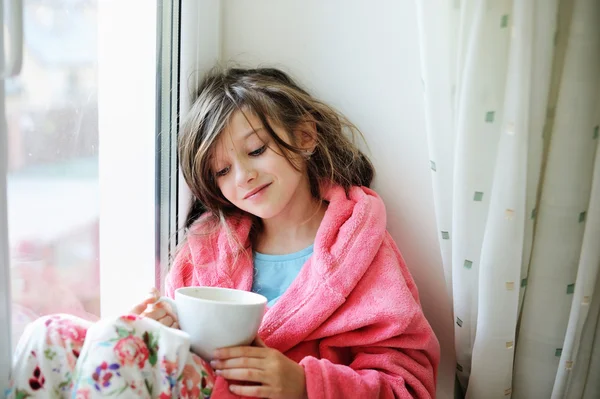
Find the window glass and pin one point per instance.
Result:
(53, 211)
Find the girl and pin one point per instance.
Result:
(281, 207)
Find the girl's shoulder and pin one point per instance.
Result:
(206, 224)
(209, 238)
(359, 198)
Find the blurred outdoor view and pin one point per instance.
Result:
(53, 207)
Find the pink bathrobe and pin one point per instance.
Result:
(352, 317)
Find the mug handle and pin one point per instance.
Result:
(170, 302)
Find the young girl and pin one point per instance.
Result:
(281, 207)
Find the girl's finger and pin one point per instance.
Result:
(167, 321)
(155, 313)
(166, 306)
(251, 391)
(141, 307)
(238, 363)
(172, 316)
(248, 375)
(240, 351)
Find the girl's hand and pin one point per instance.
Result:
(280, 377)
(160, 312)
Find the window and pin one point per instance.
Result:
(91, 180)
(82, 175)
(52, 180)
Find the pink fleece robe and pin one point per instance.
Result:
(351, 318)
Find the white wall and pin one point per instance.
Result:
(200, 50)
(363, 58)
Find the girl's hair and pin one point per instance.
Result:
(274, 98)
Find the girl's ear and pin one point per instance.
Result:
(306, 134)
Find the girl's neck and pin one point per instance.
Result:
(294, 229)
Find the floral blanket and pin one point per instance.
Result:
(62, 356)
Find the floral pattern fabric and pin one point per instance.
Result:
(62, 356)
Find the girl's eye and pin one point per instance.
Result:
(258, 152)
(222, 172)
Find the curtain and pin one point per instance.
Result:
(512, 106)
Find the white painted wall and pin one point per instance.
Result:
(200, 50)
(363, 58)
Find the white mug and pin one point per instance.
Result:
(217, 317)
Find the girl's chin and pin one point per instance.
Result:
(265, 212)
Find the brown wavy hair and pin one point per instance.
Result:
(274, 98)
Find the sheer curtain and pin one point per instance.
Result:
(512, 97)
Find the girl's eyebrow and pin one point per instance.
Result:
(251, 132)
(214, 159)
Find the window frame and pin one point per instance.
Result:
(16, 25)
(5, 295)
(168, 87)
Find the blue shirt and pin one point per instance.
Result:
(273, 274)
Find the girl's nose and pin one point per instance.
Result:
(245, 173)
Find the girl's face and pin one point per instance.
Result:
(252, 173)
